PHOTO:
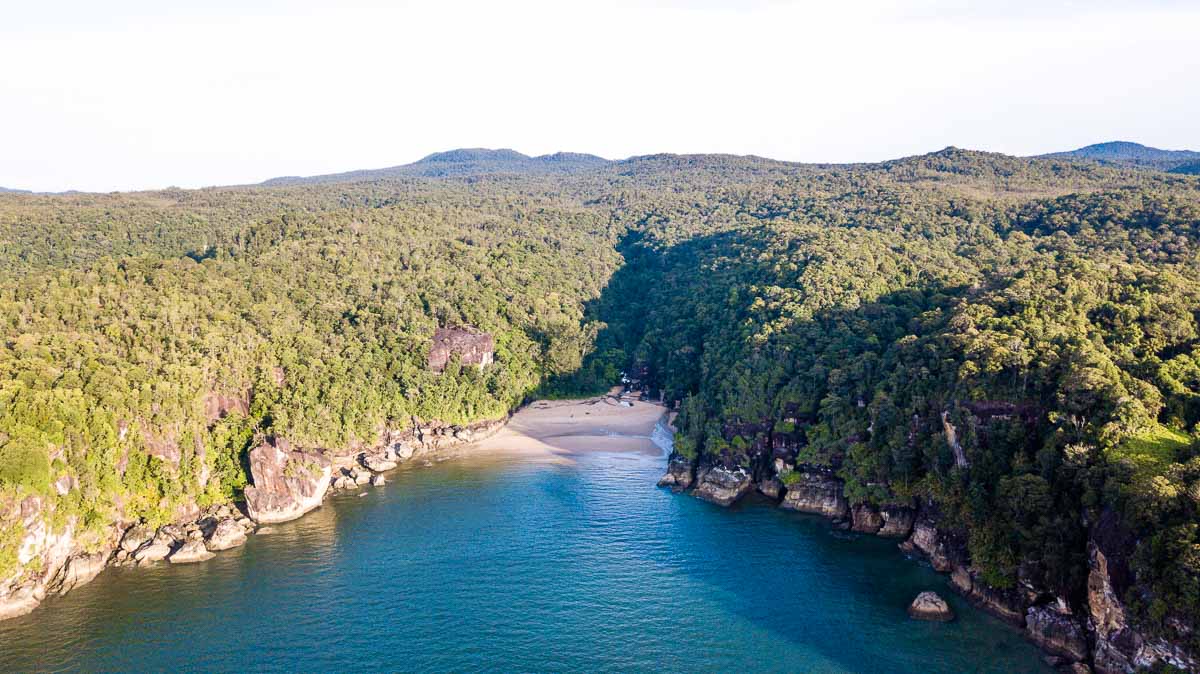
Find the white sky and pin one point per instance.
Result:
(144, 94)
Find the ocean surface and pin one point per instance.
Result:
(524, 565)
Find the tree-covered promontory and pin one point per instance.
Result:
(1010, 344)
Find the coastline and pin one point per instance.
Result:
(552, 431)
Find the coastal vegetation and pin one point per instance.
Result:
(1013, 340)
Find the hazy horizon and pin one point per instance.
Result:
(136, 96)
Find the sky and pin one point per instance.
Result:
(142, 94)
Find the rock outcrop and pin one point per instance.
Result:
(897, 521)
(681, 473)
(1056, 633)
(926, 540)
(1120, 648)
(815, 492)
(866, 519)
(930, 606)
(287, 483)
(721, 485)
(191, 552)
(472, 346)
(225, 535)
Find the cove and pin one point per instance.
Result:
(520, 564)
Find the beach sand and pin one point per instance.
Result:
(563, 428)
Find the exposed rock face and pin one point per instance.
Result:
(960, 457)
(287, 483)
(771, 488)
(42, 553)
(190, 552)
(930, 606)
(817, 493)
(926, 540)
(866, 519)
(681, 473)
(1057, 633)
(1121, 649)
(722, 485)
(227, 534)
(897, 521)
(470, 345)
(80, 570)
(1006, 605)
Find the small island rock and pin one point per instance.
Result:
(929, 606)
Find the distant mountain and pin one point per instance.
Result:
(12, 191)
(1190, 168)
(462, 162)
(1131, 154)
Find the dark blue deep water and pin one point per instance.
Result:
(519, 565)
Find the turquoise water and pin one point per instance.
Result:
(520, 565)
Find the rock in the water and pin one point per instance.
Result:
(361, 477)
(929, 606)
(816, 493)
(192, 551)
(723, 486)
(378, 481)
(227, 534)
(1056, 633)
(265, 531)
(287, 483)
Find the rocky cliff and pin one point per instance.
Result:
(51, 556)
(1089, 635)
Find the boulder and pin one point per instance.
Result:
(816, 493)
(362, 477)
(378, 481)
(376, 463)
(152, 552)
(287, 483)
(227, 534)
(681, 473)
(723, 486)
(192, 551)
(1056, 633)
(930, 606)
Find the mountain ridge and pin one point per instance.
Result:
(1127, 153)
(459, 162)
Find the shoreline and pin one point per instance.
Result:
(541, 430)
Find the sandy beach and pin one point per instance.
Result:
(562, 428)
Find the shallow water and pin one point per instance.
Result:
(524, 566)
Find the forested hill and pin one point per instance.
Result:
(1010, 345)
(463, 162)
(1124, 153)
